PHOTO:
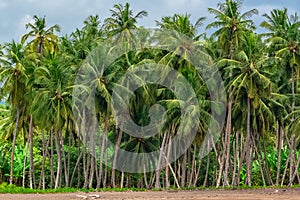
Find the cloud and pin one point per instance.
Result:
(3, 4)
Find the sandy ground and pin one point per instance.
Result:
(257, 194)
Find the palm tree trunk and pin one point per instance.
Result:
(31, 171)
(102, 151)
(247, 143)
(51, 160)
(279, 139)
(248, 153)
(227, 140)
(24, 165)
(13, 147)
(78, 171)
(287, 161)
(45, 152)
(167, 161)
(64, 160)
(295, 172)
(293, 91)
(193, 169)
(122, 180)
(197, 174)
(183, 169)
(93, 155)
(79, 159)
(236, 156)
(69, 153)
(157, 172)
(291, 159)
(249, 165)
(113, 173)
(207, 166)
(59, 163)
(259, 159)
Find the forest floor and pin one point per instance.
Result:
(251, 194)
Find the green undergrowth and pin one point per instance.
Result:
(12, 189)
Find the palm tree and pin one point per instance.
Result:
(181, 24)
(180, 35)
(92, 27)
(277, 23)
(120, 24)
(52, 93)
(231, 26)
(44, 39)
(284, 38)
(13, 76)
(284, 41)
(122, 19)
(249, 83)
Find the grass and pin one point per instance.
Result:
(12, 189)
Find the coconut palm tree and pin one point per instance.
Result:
(13, 76)
(52, 93)
(44, 38)
(122, 19)
(231, 25)
(284, 38)
(250, 85)
(284, 41)
(181, 24)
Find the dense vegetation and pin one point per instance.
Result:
(41, 147)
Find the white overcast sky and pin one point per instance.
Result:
(70, 14)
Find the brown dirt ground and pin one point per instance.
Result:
(254, 194)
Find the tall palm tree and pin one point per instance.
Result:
(52, 93)
(120, 24)
(284, 39)
(231, 25)
(13, 76)
(251, 86)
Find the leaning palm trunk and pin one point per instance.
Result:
(13, 147)
(296, 173)
(167, 161)
(193, 170)
(197, 174)
(157, 172)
